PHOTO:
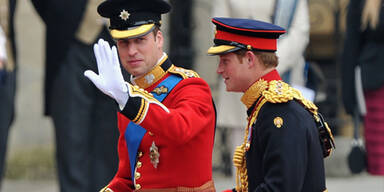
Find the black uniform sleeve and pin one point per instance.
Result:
(284, 149)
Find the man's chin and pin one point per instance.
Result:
(230, 89)
(134, 72)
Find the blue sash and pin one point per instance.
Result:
(135, 133)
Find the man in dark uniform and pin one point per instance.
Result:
(286, 137)
(167, 117)
(84, 118)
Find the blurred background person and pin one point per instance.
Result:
(84, 118)
(293, 16)
(364, 47)
(7, 75)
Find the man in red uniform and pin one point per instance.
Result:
(167, 116)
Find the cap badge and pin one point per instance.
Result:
(124, 15)
(278, 121)
(154, 154)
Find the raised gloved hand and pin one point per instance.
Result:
(110, 79)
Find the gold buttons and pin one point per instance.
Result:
(140, 154)
(138, 186)
(150, 133)
(137, 175)
(139, 164)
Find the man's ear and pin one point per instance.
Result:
(250, 59)
(160, 39)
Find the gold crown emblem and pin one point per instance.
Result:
(124, 15)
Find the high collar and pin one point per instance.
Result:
(253, 93)
(157, 72)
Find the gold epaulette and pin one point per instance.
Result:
(185, 73)
(280, 92)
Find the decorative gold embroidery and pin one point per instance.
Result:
(185, 73)
(280, 92)
(254, 92)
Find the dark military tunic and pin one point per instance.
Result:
(288, 158)
(284, 152)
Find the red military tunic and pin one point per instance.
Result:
(182, 128)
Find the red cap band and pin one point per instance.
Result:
(255, 42)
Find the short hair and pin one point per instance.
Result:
(269, 59)
(156, 29)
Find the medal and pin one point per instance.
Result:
(154, 154)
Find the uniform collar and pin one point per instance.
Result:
(253, 93)
(158, 72)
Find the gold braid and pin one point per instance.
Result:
(239, 159)
(241, 166)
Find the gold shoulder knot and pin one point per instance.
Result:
(281, 92)
(185, 73)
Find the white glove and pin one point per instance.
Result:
(110, 80)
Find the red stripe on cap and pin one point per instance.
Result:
(251, 30)
(255, 42)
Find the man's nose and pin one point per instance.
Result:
(219, 69)
(132, 50)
